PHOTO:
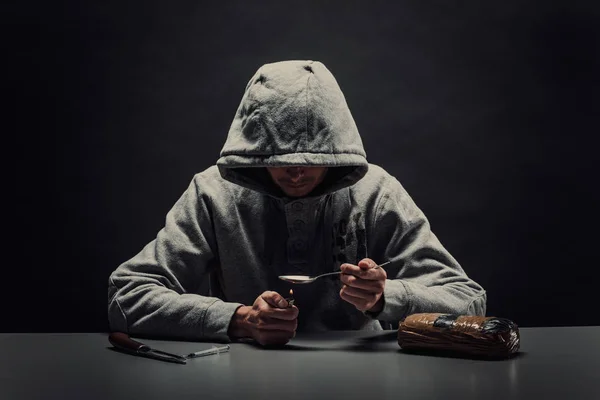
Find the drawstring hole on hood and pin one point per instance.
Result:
(309, 69)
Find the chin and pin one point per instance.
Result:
(297, 193)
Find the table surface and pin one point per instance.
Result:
(561, 362)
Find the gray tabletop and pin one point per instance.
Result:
(553, 363)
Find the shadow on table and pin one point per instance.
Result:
(382, 342)
(166, 338)
(376, 343)
(456, 355)
(381, 337)
(307, 347)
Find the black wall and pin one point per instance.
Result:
(486, 112)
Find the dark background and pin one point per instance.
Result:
(487, 112)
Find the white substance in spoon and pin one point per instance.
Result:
(296, 277)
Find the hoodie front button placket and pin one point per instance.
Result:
(300, 245)
(299, 226)
(297, 219)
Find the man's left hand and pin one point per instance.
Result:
(363, 285)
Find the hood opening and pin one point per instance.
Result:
(258, 178)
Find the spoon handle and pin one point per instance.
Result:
(384, 264)
(339, 272)
(330, 273)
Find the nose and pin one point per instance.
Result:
(295, 173)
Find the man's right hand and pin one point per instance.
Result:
(269, 320)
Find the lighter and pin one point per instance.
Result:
(290, 299)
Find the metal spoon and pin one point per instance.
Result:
(301, 279)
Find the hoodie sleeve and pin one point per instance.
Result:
(153, 293)
(424, 277)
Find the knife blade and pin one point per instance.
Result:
(122, 341)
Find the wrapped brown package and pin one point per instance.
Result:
(460, 334)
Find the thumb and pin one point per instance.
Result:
(367, 263)
(274, 299)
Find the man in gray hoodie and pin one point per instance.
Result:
(292, 193)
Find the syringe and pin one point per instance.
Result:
(208, 352)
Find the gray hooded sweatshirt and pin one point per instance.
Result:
(233, 231)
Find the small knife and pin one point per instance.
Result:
(123, 342)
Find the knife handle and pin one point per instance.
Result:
(124, 342)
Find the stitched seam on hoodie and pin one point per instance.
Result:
(306, 128)
(119, 305)
(479, 296)
(210, 213)
(408, 299)
(384, 197)
(203, 318)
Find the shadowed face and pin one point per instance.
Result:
(297, 181)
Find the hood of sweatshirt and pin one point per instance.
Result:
(293, 113)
